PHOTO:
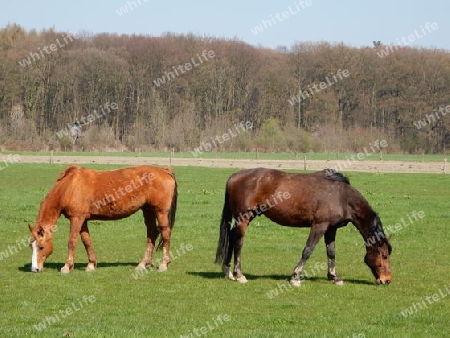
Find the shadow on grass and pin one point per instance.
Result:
(346, 280)
(77, 266)
(218, 275)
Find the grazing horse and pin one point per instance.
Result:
(323, 201)
(82, 194)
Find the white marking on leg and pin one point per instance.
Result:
(227, 271)
(163, 266)
(34, 263)
(242, 280)
(295, 282)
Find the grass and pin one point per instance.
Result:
(253, 155)
(192, 299)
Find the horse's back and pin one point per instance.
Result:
(292, 199)
(263, 179)
(114, 194)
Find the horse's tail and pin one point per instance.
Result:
(173, 205)
(225, 226)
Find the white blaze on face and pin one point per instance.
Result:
(34, 262)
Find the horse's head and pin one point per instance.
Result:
(41, 243)
(377, 259)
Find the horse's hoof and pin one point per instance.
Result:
(242, 279)
(162, 268)
(295, 282)
(141, 267)
(339, 282)
(65, 269)
(90, 267)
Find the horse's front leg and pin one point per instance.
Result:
(317, 231)
(75, 228)
(330, 236)
(86, 239)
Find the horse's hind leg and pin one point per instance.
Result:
(152, 234)
(165, 230)
(330, 237)
(238, 240)
(86, 239)
(229, 254)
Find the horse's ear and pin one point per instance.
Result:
(41, 231)
(29, 227)
(384, 241)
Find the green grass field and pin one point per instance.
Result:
(192, 299)
(254, 155)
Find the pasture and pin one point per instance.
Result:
(192, 299)
(247, 155)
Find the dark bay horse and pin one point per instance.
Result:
(82, 194)
(323, 201)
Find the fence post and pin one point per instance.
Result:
(445, 165)
(304, 163)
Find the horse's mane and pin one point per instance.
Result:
(334, 175)
(67, 171)
(54, 194)
(377, 231)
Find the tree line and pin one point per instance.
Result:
(181, 91)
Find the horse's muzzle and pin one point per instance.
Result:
(383, 281)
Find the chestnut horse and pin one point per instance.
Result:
(323, 201)
(82, 194)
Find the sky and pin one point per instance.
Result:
(270, 24)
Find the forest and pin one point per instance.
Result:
(179, 92)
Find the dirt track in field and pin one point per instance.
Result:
(342, 165)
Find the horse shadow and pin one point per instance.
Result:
(277, 277)
(202, 274)
(77, 266)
